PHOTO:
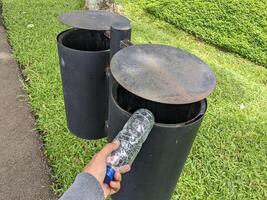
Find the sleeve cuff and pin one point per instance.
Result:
(85, 187)
(91, 185)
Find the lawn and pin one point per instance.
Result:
(235, 25)
(228, 159)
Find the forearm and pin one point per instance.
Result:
(85, 187)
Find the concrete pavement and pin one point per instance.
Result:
(24, 173)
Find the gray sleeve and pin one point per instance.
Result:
(85, 187)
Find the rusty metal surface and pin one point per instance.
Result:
(163, 74)
(92, 20)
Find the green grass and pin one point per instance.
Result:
(228, 159)
(239, 26)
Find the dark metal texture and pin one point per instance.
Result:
(157, 168)
(163, 74)
(84, 56)
(92, 20)
(126, 43)
(120, 31)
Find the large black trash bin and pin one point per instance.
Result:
(156, 170)
(173, 85)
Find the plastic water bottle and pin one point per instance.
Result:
(131, 137)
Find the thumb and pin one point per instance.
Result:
(109, 148)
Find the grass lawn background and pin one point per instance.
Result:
(228, 159)
(236, 25)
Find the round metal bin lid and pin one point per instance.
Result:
(163, 74)
(92, 20)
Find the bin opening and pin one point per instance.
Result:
(164, 113)
(85, 40)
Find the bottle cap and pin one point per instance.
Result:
(110, 173)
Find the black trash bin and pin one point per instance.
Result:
(84, 55)
(142, 78)
(156, 170)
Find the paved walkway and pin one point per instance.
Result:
(23, 169)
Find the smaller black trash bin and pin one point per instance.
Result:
(84, 56)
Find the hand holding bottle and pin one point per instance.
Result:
(97, 168)
(131, 138)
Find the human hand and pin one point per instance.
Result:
(97, 168)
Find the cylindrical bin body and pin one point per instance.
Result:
(84, 56)
(157, 168)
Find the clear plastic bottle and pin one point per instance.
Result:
(131, 137)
